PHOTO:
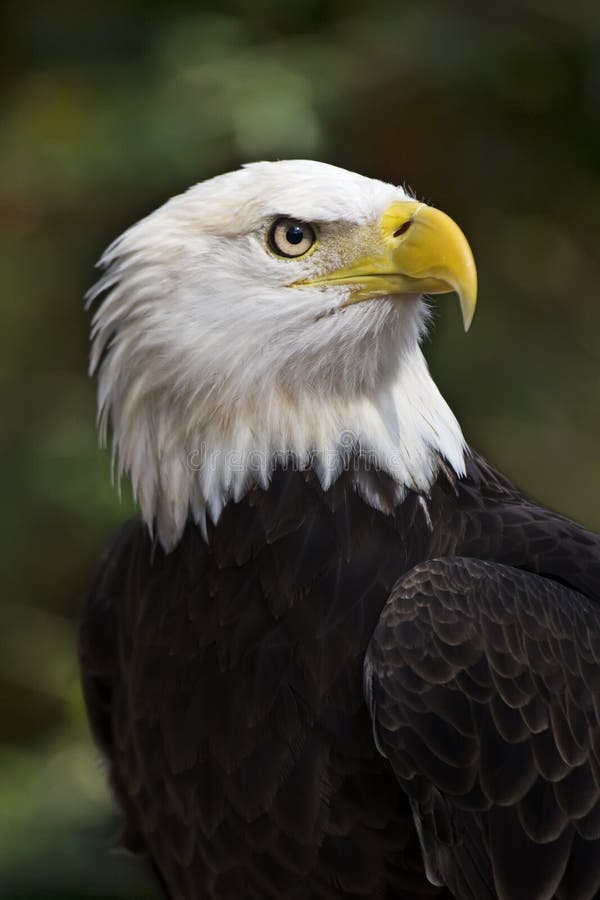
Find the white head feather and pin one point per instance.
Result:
(211, 367)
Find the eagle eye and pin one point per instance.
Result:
(291, 238)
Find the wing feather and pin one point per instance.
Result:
(477, 683)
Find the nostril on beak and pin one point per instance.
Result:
(403, 228)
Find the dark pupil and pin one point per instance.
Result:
(295, 234)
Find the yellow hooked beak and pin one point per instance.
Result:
(423, 252)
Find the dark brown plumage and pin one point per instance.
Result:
(224, 684)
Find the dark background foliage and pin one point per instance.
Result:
(491, 111)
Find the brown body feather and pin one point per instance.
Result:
(224, 684)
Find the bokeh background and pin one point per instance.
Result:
(491, 111)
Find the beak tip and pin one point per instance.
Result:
(468, 303)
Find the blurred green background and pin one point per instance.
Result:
(107, 110)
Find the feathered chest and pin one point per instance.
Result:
(244, 666)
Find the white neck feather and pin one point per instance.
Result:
(192, 458)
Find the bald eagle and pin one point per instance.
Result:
(337, 655)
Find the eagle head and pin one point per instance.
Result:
(274, 313)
